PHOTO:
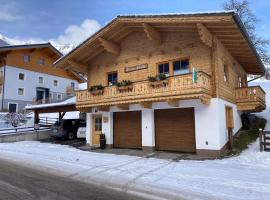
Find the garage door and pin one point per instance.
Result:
(127, 130)
(175, 130)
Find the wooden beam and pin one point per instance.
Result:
(205, 35)
(146, 105)
(123, 107)
(78, 66)
(110, 46)
(173, 102)
(152, 33)
(205, 101)
(103, 108)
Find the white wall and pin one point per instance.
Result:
(30, 82)
(210, 122)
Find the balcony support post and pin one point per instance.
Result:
(173, 102)
(147, 105)
(123, 107)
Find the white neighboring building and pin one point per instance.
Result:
(28, 77)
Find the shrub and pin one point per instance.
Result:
(124, 83)
(159, 77)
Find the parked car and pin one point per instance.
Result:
(81, 133)
(65, 129)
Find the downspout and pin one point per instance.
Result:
(4, 78)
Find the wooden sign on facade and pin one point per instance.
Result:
(136, 68)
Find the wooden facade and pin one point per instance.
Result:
(45, 53)
(215, 45)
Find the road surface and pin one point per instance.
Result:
(21, 183)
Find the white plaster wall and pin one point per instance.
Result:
(88, 133)
(210, 122)
(30, 82)
(148, 128)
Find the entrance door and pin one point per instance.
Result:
(12, 107)
(97, 129)
(229, 124)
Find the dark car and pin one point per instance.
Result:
(65, 129)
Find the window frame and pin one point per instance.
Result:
(163, 63)
(115, 82)
(28, 58)
(225, 72)
(42, 80)
(98, 125)
(181, 59)
(41, 63)
(61, 97)
(23, 89)
(55, 81)
(21, 73)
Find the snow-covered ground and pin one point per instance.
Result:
(244, 177)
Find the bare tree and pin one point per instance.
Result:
(249, 20)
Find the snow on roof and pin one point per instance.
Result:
(70, 101)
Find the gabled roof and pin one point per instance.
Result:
(226, 26)
(30, 46)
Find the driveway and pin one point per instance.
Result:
(22, 183)
(243, 177)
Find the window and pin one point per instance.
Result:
(12, 107)
(112, 78)
(180, 67)
(164, 68)
(41, 61)
(40, 80)
(55, 82)
(20, 91)
(225, 73)
(59, 97)
(98, 124)
(21, 76)
(72, 85)
(26, 58)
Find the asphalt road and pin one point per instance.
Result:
(21, 183)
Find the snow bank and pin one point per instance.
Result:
(244, 177)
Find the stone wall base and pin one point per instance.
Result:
(148, 149)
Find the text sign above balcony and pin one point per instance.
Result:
(136, 68)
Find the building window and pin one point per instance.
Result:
(55, 82)
(59, 97)
(21, 76)
(72, 85)
(40, 80)
(98, 124)
(112, 78)
(180, 67)
(26, 58)
(225, 73)
(41, 61)
(20, 91)
(164, 69)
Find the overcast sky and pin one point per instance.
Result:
(71, 21)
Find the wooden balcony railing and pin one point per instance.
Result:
(70, 90)
(178, 87)
(250, 99)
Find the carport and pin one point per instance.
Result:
(68, 105)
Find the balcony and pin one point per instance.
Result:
(250, 99)
(178, 87)
(70, 90)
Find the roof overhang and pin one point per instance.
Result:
(225, 26)
(48, 46)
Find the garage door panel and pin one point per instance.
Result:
(175, 129)
(127, 129)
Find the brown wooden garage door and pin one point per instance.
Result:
(175, 129)
(127, 129)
